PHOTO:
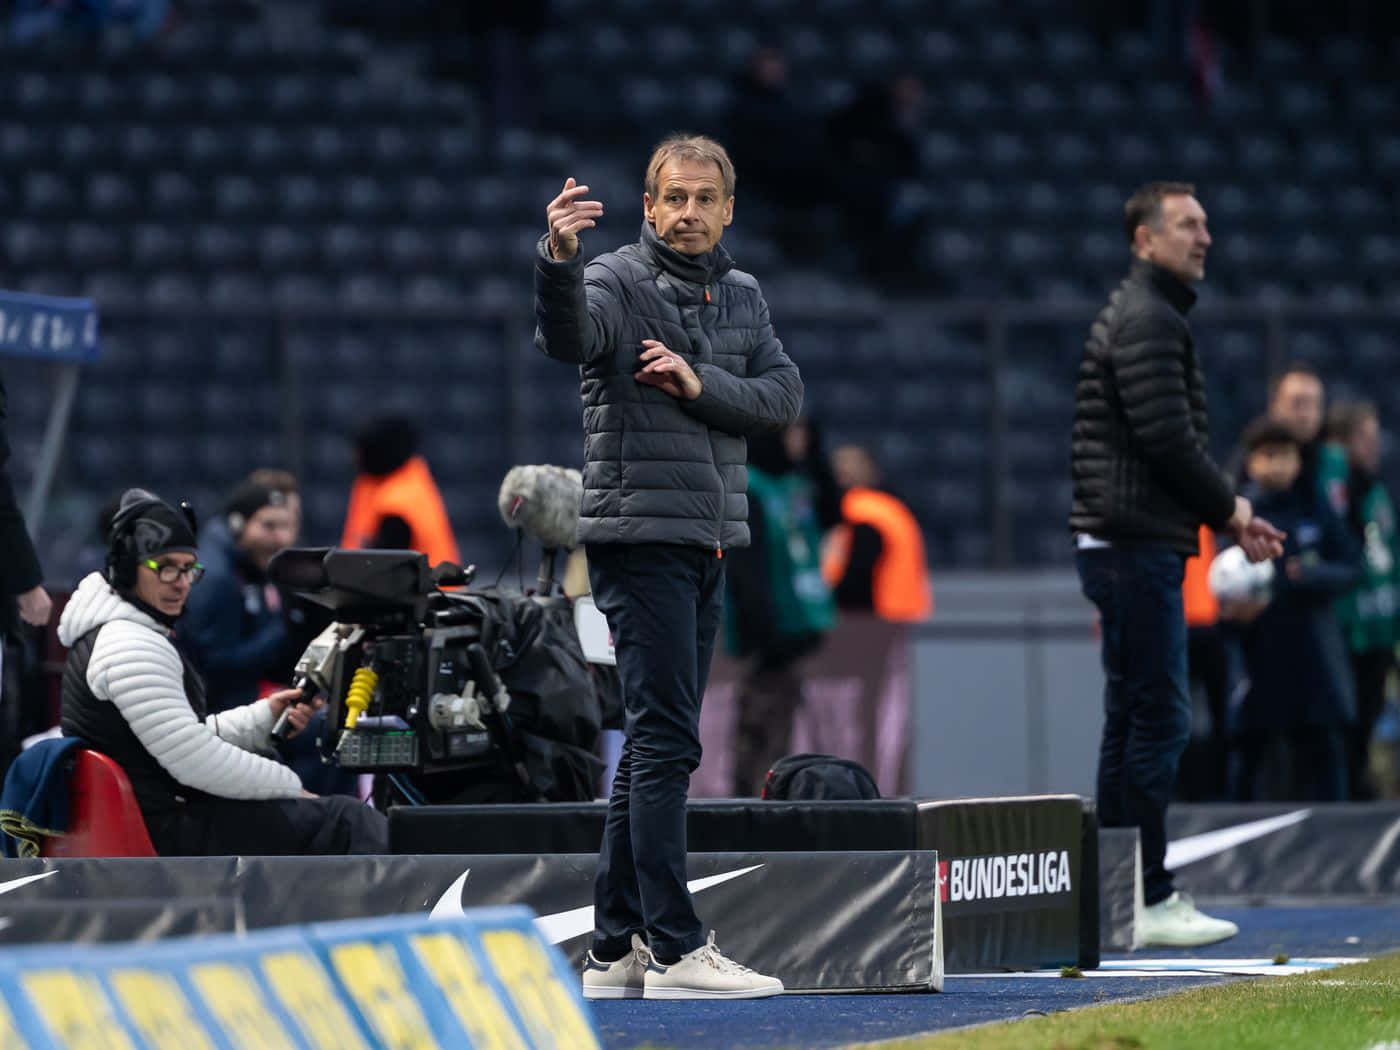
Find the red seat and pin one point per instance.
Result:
(103, 817)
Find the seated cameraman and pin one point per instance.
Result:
(203, 786)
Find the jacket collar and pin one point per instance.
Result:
(1167, 284)
(698, 269)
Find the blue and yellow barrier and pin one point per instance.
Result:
(486, 982)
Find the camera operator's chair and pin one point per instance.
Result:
(104, 819)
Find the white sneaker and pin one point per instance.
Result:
(623, 979)
(707, 974)
(1175, 923)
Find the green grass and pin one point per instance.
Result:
(1353, 1007)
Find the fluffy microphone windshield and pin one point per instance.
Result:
(543, 503)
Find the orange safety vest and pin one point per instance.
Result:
(901, 586)
(1202, 609)
(408, 493)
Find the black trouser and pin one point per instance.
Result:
(1202, 773)
(1147, 710)
(768, 701)
(223, 827)
(1303, 764)
(1369, 670)
(663, 605)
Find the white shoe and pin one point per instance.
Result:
(623, 979)
(1175, 923)
(707, 974)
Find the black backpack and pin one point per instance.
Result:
(818, 777)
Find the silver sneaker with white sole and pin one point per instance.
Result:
(706, 973)
(623, 979)
(1175, 923)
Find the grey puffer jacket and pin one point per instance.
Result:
(659, 469)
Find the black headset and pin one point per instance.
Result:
(121, 540)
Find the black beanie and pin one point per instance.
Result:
(249, 498)
(385, 444)
(145, 526)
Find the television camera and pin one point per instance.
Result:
(464, 695)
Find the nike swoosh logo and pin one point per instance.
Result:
(1207, 844)
(14, 884)
(564, 925)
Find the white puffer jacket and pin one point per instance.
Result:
(135, 665)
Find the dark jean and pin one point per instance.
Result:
(1147, 704)
(663, 605)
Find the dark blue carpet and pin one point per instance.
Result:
(818, 1022)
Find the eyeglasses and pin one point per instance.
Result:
(168, 573)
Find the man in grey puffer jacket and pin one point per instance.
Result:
(678, 363)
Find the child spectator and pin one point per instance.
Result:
(1297, 699)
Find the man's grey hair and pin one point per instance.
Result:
(694, 148)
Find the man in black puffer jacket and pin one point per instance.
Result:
(678, 363)
(1143, 485)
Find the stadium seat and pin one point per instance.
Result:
(104, 818)
(368, 290)
(96, 93)
(1279, 56)
(144, 145)
(1303, 104)
(23, 146)
(238, 290)
(48, 194)
(303, 291)
(937, 50)
(29, 246)
(110, 288)
(1103, 100)
(362, 199)
(1069, 49)
(1137, 156)
(1330, 158)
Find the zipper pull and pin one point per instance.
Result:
(719, 553)
(707, 293)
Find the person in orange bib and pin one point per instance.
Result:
(395, 503)
(1201, 775)
(875, 559)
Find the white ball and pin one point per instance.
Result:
(1233, 577)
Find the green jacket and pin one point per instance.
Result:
(776, 594)
(1370, 612)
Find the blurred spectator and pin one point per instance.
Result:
(233, 627)
(1298, 702)
(302, 618)
(773, 137)
(875, 139)
(875, 561)
(1201, 774)
(395, 503)
(1298, 400)
(1349, 464)
(778, 608)
(92, 553)
(203, 781)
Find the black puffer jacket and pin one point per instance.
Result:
(1142, 473)
(658, 469)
